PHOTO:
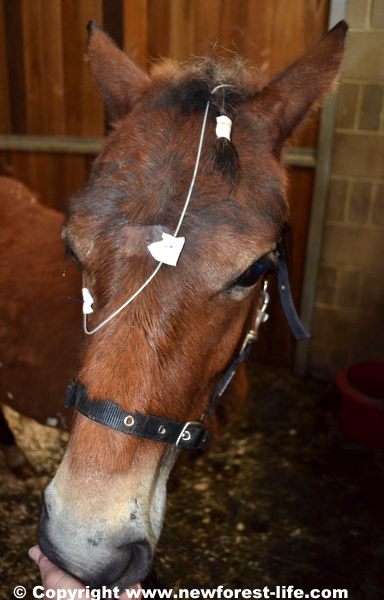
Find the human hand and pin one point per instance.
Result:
(54, 578)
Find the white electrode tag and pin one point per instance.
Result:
(223, 127)
(87, 301)
(168, 249)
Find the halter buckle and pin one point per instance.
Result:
(262, 314)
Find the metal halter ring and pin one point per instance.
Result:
(129, 421)
(185, 435)
(262, 315)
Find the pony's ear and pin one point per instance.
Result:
(120, 80)
(285, 101)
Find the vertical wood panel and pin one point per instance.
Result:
(84, 112)
(182, 29)
(113, 20)
(315, 15)
(20, 166)
(53, 177)
(278, 33)
(5, 114)
(53, 92)
(259, 41)
(287, 34)
(299, 191)
(136, 31)
(6, 166)
(207, 31)
(92, 112)
(34, 67)
(43, 67)
(76, 171)
(73, 68)
(15, 63)
(42, 175)
(233, 27)
(270, 33)
(159, 29)
(53, 66)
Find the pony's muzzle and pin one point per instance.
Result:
(92, 558)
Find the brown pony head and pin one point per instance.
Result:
(165, 353)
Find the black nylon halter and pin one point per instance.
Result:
(159, 429)
(192, 434)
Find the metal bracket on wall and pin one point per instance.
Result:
(50, 144)
(318, 209)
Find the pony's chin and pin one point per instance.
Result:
(134, 591)
(137, 589)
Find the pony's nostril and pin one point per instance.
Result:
(130, 566)
(44, 541)
(139, 562)
(93, 558)
(44, 508)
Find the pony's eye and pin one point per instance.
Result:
(69, 252)
(252, 275)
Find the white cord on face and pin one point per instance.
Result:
(88, 300)
(223, 123)
(122, 306)
(194, 172)
(218, 87)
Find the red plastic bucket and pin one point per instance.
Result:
(362, 403)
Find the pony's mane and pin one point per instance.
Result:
(189, 84)
(225, 83)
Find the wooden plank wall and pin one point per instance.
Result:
(49, 90)
(45, 88)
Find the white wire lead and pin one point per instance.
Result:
(174, 235)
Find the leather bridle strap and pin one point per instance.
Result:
(228, 375)
(284, 288)
(185, 436)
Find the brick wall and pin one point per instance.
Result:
(349, 318)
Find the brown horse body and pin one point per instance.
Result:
(40, 328)
(166, 352)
